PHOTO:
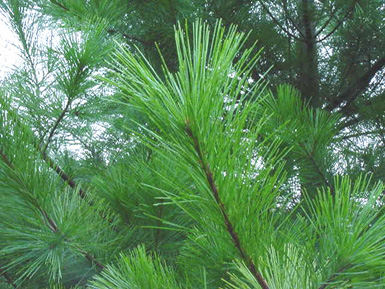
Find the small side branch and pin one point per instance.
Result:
(334, 276)
(339, 23)
(7, 278)
(229, 226)
(131, 37)
(47, 219)
(278, 23)
(320, 173)
(92, 259)
(358, 86)
(57, 122)
(59, 5)
(64, 176)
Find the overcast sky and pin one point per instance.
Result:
(8, 52)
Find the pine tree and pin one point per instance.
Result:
(193, 176)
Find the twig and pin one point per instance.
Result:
(8, 278)
(92, 259)
(326, 23)
(287, 16)
(229, 226)
(358, 86)
(320, 173)
(334, 276)
(64, 176)
(279, 24)
(59, 4)
(49, 221)
(131, 37)
(337, 26)
(57, 122)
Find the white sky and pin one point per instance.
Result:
(9, 56)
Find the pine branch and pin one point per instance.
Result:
(5, 159)
(358, 86)
(92, 259)
(229, 226)
(111, 31)
(57, 169)
(47, 220)
(70, 182)
(326, 22)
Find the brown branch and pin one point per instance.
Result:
(338, 24)
(287, 16)
(229, 226)
(353, 91)
(7, 278)
(92, 259)
(58, 170)
(68, 180)
(278, 23)
(320, 173)
(326, 23)
(57, 122)
(334, 276)
(59, 4)
(6, 160)
(131, 37)
(49, 221)
(65, 177)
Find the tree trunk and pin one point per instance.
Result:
(307, 53)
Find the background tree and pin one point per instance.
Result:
(331, 51)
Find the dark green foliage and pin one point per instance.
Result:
(125, 164)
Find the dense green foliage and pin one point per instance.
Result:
(186, 164)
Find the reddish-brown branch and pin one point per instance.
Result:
(64, 176)
(7, 278)
(59, 5)
(278, 23)
(93, 260)
(339, 23)
(358, 86)
(6, 160)
(229, 226)
(131, 37)
(47, 220)
(56, 125)
(320, 173)
(50, 223)
(334, 276)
